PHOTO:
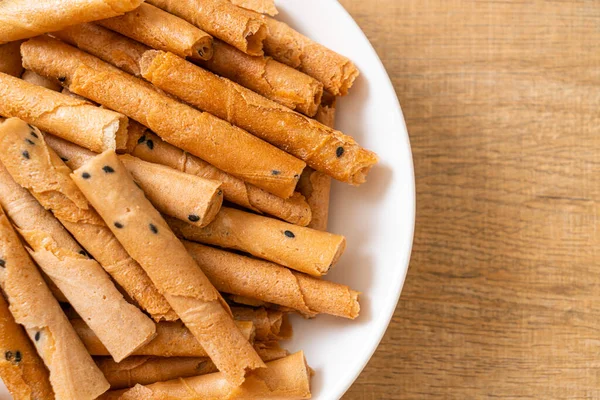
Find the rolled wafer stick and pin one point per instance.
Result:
(72, 119)
(160, 30)
(21, 369)
(286, 378)
(266, 322)
(10, 59)
(172, 339)
(315, 186)
(121, 326)
(21, 19)
(47, 178)
(180, 195)
(284, 44)
(260, 6)
(323, 148)
(116, 49)
(32, 77)
(272, 79)
(272, 283)
(270, 350)
(73, 374)
(221, 19)
(299, 248)
(146, 370)
(149, 147)
(148, 239)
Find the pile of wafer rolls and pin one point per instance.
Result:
(165, 174)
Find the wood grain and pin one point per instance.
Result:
(502, 102)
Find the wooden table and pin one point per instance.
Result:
(502, 102)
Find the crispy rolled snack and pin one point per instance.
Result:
(172, 339)
(270, 350)
(302, 249)
(266, 322)
(221, 19)
(121, 326)
(105, 44)
(146, 370)
(21, 369)
(265, 76)
(21, 19)
(148, 239)
(315, 186)
(149, 147)
(32, 77)
(74, 120)
(180, 195)
(73, 374)
(10, 59)
(286, 378)
(260, 6)
(160, 30)
(272, 283)
(323, 148)
(336, 72)
(47, 177)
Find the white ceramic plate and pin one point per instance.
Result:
(377, 218)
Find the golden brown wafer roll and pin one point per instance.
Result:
(47, 177)
(221, 19)
(266, 322)
(10, 59)
(149, 147)
(270, 351)
(286, 378)
(146, 370)
(105, 44)
(121, 326)
(172, 339)
(260, 6)
(160, 30)
(74, 120)
(336, 72)
(323, 148)
(73, 374)
(272, 79)
(302, 249)
(21, 368)
(315, 186)
(20, 19)
(148, 239)
(32, 77)
(272, 283)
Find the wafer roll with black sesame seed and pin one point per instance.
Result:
(146, 370)
(64, 116)
(321, 147)
(160, 30)
(336, 72)
(286, 378)
(272, 79)
(266, 322)
(260, 6)
(172, 339)
(10, 59)
(299, 248)
(32, 77)
(221, 19)
(73, 374)
(148, 239)
(272, 283)
(121, 326)
(21, 19)
(21, 368)
(149, 147)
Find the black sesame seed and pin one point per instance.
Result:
(35, 135)
(289, 234)
(30, 141)
(2, 263)
(85, 175)
(339, 151)
(62, 78)
(25, 154)
(118, 225)
(296, 176)
(150, 144)
(193, 218)
(18, 356)
(142, 139)
(220, 192)
(31, 126)
(64, 159)
(275, 172)
(153, 228)
(108, 169)
(8, 355)
(83, 253)
(38, 335)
